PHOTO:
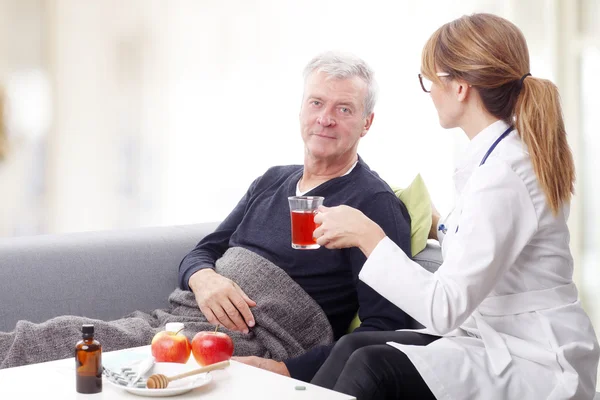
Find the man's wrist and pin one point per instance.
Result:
(282, 369)
(198, 276)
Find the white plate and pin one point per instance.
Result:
(179, 386)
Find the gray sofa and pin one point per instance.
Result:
(103, 275)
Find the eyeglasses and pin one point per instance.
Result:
(426, 83)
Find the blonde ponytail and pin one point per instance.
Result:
(539, 121)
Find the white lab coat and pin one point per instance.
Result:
(504, 298)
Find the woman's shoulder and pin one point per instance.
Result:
(512, 158)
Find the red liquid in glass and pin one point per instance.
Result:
(303, 226)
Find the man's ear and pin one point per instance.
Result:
(462, 90)
(368, 123)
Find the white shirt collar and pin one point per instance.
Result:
(480, 144)
(299, 193)
(475, 152)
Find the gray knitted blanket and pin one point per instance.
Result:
(288, 321)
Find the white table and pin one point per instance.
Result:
(56, 380)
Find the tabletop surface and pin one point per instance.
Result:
(56, 380)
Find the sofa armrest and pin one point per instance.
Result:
(103, 275)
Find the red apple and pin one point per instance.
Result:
(170, 346)
(211, 347)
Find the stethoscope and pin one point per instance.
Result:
(442, 228)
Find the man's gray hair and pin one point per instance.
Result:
(345, 66)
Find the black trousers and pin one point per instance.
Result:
(362, 365)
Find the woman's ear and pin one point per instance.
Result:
(462, 90)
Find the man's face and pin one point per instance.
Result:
(331, 117)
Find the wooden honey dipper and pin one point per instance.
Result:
(160, 381)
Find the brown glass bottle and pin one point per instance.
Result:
(88, 362)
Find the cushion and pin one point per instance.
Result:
(418, 203)
(354, 324)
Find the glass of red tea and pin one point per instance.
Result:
(302, 213)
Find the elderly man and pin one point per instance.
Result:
(299, 301)
(336, 112)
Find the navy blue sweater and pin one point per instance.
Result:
(261, 223)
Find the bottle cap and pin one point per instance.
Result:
(87, 328)
(174, 326)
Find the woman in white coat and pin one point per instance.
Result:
(502, 316)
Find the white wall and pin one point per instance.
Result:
(167, 111)
(235, 79)
(22, 56)
(107, 66)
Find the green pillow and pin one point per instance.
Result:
(354, 324)
(418, 203)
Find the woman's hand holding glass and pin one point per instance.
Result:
(344, 226)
